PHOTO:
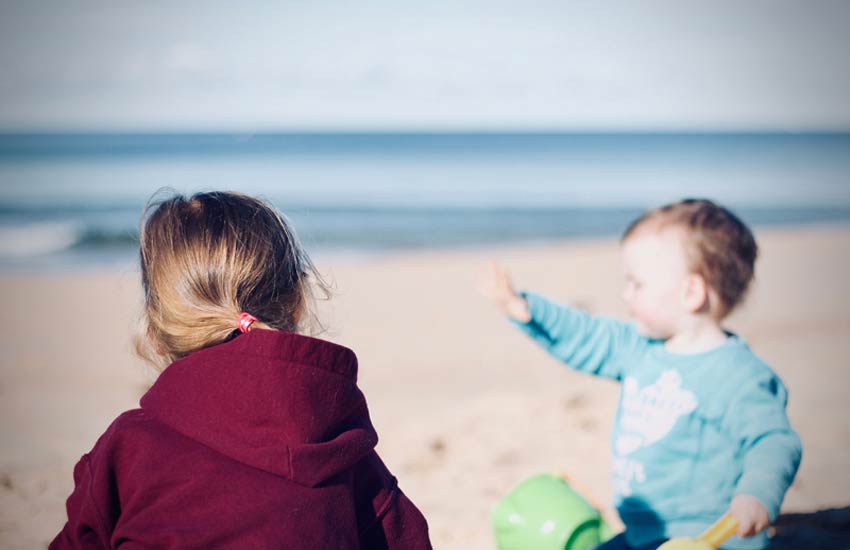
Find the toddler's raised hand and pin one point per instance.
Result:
(751, 514)
(495, 284)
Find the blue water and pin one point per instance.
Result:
(74, 200)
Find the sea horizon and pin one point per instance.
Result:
(70, 200)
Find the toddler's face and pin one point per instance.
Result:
(656, 278)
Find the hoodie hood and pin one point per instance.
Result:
(281, 402)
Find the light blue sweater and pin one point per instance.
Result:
(691, 430)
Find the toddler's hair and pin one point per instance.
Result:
(718, 246)
(206, 259)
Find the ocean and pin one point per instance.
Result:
(73, 201)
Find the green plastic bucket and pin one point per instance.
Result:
(545, 513)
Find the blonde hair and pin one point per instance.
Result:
(718, 245)
(209, 257)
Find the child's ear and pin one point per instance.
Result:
(696, 294)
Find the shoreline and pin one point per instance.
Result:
(110, 264)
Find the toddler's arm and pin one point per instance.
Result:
(772, 450)
(586, 343)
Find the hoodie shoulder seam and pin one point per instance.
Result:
(385, 506)
(90, 494)
(289, 457)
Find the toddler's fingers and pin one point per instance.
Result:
(761, 524)
(746, 527)
(496, 271)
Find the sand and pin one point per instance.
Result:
(465, 405)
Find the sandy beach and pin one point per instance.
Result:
(465, 405)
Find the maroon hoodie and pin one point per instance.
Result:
(261, 442)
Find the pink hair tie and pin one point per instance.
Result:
(244, 321)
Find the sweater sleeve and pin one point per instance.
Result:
(585, 343)
(772, 450)
(388, 520)
(83, 530)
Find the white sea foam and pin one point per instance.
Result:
(37, 239)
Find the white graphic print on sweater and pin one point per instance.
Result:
(646, 416)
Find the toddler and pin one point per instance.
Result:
(701, 428)
(253, 435)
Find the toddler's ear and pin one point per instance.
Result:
(696, 294)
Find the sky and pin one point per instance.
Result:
(392, 65)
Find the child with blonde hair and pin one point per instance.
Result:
(701, 428)
(254, 435)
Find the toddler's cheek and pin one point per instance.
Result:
(644, 317)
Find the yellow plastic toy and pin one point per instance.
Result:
(713, 537)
